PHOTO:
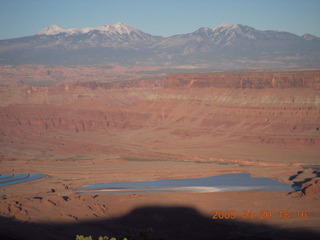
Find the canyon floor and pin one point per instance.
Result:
(81, 126)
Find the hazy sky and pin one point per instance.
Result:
(159, 17)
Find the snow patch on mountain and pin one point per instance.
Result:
(51, 30)
(120, 28)
(117, 28)
(231, 31)
(310, 37)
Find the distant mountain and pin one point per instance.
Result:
(227, 46)
(105, 35)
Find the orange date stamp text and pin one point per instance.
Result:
(260, 214)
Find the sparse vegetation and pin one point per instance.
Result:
(81, 237)
(143, 235)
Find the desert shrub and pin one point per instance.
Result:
(144, 235)
(81, 237)
(107, 238)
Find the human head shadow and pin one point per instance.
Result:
(152, 223)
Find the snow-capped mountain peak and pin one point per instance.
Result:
(120, 28)
(233, 28)
(117, 28)
(230, 32)
(56, 29)
(228, 26)
(51, 30)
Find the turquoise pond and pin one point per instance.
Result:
(241, 182)
(10, 179)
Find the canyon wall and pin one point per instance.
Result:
(259, 116)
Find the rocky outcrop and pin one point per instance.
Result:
(309, 189)
(312, 188)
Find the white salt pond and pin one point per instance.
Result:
(241, 182)
(9, 179)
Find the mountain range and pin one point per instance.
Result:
(227, 46)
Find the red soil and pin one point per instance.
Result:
(180, 126)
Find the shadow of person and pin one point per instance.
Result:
(152, 223)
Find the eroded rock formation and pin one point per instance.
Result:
(268, 117)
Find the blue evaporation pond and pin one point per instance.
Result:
(9, 179)
(241, 182)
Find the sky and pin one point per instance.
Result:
(20, 18)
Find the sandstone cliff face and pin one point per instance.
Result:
(245, 80)
(266, 116)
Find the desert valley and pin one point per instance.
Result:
(159, 119)
(158, 126)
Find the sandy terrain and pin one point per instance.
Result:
(180, 126)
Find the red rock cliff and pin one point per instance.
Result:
(245, 80)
